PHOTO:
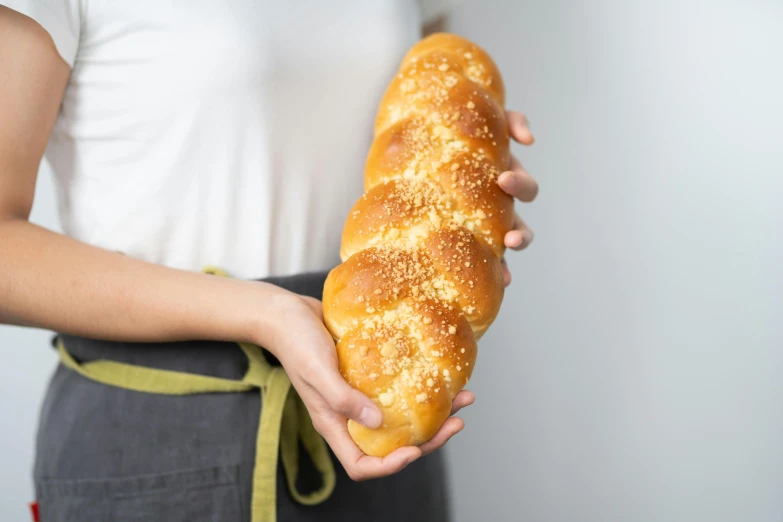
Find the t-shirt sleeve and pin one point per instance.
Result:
(60, 18)
(433, 9)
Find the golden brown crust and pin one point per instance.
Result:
(421, 276)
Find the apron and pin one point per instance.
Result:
(202, 431)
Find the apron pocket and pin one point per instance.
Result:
(203, 495)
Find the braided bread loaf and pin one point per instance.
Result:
(421, 276)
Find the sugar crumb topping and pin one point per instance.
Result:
(431, 214)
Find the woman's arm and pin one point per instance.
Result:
(52, 281)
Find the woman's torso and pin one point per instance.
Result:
(230, 133)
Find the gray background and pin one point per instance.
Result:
(636, 370)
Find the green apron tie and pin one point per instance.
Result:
(284, 419)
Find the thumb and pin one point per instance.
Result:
(345, 400)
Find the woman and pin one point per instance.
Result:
(206, 133)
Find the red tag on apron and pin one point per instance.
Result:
(34, 511)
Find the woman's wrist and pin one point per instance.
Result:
(265, 319)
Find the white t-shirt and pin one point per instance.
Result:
(228, 133)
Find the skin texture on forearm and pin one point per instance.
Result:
(51, 281)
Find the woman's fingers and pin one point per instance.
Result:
(506, 272)
(520, 235)
(315, 305)
(358, 465)
(367, 467)
(333, 427)
(451, 427)
(463, 398)
(519, 127)
(331, 402)
(518, 183)
(314, 365)
(340, 396)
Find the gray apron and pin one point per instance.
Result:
(110, 454)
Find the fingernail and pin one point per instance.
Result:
(508, 180)
(370, 417)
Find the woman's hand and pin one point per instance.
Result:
(306, 350)
(518, 183)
